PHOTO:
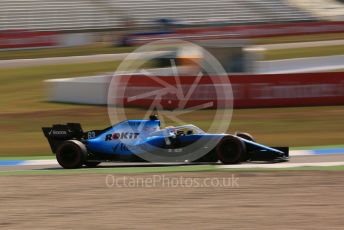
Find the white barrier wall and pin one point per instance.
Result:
(81, 90)
(94, 89)
(75, 39)
(300, 65)
(250, 90)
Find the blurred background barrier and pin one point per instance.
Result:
(135, 22)
(248, 90)
(264, 90)
(15, 39)
(241, 31)
(24, 39)
(79, 15)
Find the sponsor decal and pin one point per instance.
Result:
(175, 150)
(123, 135)
(150, 129)
(91, 135)
(57, 132)
(120, 147)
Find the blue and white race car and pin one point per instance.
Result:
(145, 140)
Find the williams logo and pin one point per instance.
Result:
(57, 132)
(125, 135)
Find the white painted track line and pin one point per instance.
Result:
(39, 162)
(282, 165)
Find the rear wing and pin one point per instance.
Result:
(59, 133)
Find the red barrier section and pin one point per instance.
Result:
(264, 30)
(288, 89)
(247, 31)
(27, 39)
(301, 89)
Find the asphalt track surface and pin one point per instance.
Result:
(293, 160)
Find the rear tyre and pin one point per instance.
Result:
(208, 158)
(71, 154)
(92, 164)
(230, 150)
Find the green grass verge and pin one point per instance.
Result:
(22, 89)
(303, 52)
(165, 169)
(317, 147)
(44, 157)
(338, 70)
(302, 168)
(298, 38)
(63, 52)
(24, 109)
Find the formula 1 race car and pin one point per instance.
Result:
(144, 140)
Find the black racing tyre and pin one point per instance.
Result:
(245, 136)
(71, 154)
(208, 158)
(91, 164)
(230, 150)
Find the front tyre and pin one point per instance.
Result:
(71, 154)
(230, 150)
(245, 136)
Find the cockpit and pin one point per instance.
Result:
(177, 131)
